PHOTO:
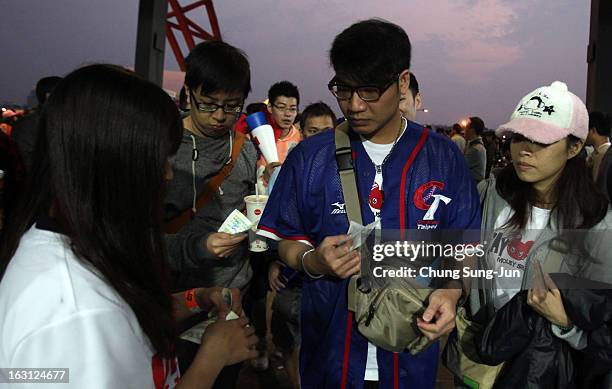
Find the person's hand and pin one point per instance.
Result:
(550, 305)
(212, 298)
(334, 257)
(230, 341)
(221, 244)
(269, 170)
(275, 278)
(439, 317)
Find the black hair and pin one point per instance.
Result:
(600, 121)
(489, 135)
(578, 203)
(183, 101)
(414, 85)
(314, 110)
(477, 124)
(255, 107)
(217, 66)
(283, 88)
(505, 147)
(609, 183)
(45, 86)
(104, 140)
(372, 51)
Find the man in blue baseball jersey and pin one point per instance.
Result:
(407, 178)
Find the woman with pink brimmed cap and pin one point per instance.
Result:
(546, 229)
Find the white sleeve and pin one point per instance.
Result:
(100, 347)
(261, 186)
(576, 337)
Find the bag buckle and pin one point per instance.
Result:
(344, 159)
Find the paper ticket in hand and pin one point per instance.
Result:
(236, 223)
(227, 296)
(360, 233)
(195, 333)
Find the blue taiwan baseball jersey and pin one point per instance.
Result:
(307, 205)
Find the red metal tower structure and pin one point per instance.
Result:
(177, 20)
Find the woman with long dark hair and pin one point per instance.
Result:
(546, 233)
(83, 278)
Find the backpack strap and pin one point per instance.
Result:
(174, 225)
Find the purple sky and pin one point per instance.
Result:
(471, 57)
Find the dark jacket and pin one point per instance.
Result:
(534, 357)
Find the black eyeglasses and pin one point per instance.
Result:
(212, 107)
(365, 92)
(291, 110)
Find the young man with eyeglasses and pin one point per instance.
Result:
(217, 82)
(399, 168)
(283, 103)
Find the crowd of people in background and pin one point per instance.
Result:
(112, 195)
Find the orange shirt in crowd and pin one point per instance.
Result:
(283, 145)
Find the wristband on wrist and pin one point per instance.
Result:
(304, 267)
(191, 302)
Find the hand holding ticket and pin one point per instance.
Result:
(359, 233)
(336, 258)
(236, 223)
(195, 333)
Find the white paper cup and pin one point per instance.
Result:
(255, 206)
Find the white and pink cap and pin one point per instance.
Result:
(547, 115)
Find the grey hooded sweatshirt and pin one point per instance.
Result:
(598, 265)
(186, 249)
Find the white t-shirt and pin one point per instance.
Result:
(377, 153)
(56, 313)
(510, 249)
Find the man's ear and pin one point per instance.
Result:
(417, 101)
(404, 82)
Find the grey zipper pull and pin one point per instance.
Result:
(220, 191)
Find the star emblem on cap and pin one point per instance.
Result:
(549, 109)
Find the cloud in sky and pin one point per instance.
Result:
(461, 45)
(477, 37)
(470, 56)
(475, 34)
